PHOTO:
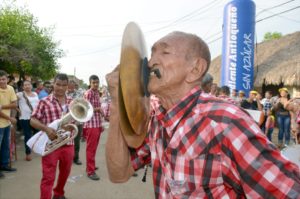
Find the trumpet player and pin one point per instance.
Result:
(49, 109)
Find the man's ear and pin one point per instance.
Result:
(197, 71)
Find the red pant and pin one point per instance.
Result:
(92, 141)
(63, 155)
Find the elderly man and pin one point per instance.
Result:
(199, 146)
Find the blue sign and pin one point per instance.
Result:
(238, 45)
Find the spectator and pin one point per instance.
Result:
(46, 90)
(27, 101)
(283, 117)
(73, 93)
(8, 101)
(207, 83)
(224, 95)
(39, 87)
(267, 105)
(270, 124)
(241, 96)
(215, 89)
(252, 102)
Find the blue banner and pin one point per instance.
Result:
(238, 45)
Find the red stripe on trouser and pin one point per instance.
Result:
(92, 141)
(64, 157)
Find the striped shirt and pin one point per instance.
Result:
(205, 148)
(94, 98)
(49, 109)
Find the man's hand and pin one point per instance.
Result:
(51, 133)
(68, 127)
(13, 120)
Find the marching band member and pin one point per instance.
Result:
(49, 109)
(93, 128)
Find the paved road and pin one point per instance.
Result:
(24, 184)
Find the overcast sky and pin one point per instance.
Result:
(90, 31)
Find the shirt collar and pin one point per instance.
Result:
(53, 98)
(172, 117)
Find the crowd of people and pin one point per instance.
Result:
(34, 109)
(274, 109)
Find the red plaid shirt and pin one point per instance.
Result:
(205, 148)
(49, 109)
(94, 98)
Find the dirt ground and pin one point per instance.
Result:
(25, 183)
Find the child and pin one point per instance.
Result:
(270, 122)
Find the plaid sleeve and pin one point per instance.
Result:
(141, 156)
(263, 171)
(38, 112)
(87, 95)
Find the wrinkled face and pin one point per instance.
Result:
(60, 87)
(3, 82)
(27, 86)
(168, 56)
(94, 84)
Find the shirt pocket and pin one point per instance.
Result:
(201, 175)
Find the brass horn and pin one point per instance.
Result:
(81, 110)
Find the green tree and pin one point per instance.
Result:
(272, 35)
(25, 48)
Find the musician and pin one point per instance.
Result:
(74, 94)
(49, 109)
(93, 128)
(199, 146)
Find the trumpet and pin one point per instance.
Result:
(81, 110)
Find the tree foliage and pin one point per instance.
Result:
(25, 48)
(272, 35)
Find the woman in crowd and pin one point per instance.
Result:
(283, 116)
(27, 101)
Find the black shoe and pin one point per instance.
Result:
(8, 169)
(134, 175)
(1, 175)
(96, 168)
(94, 176)
(77, 162)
